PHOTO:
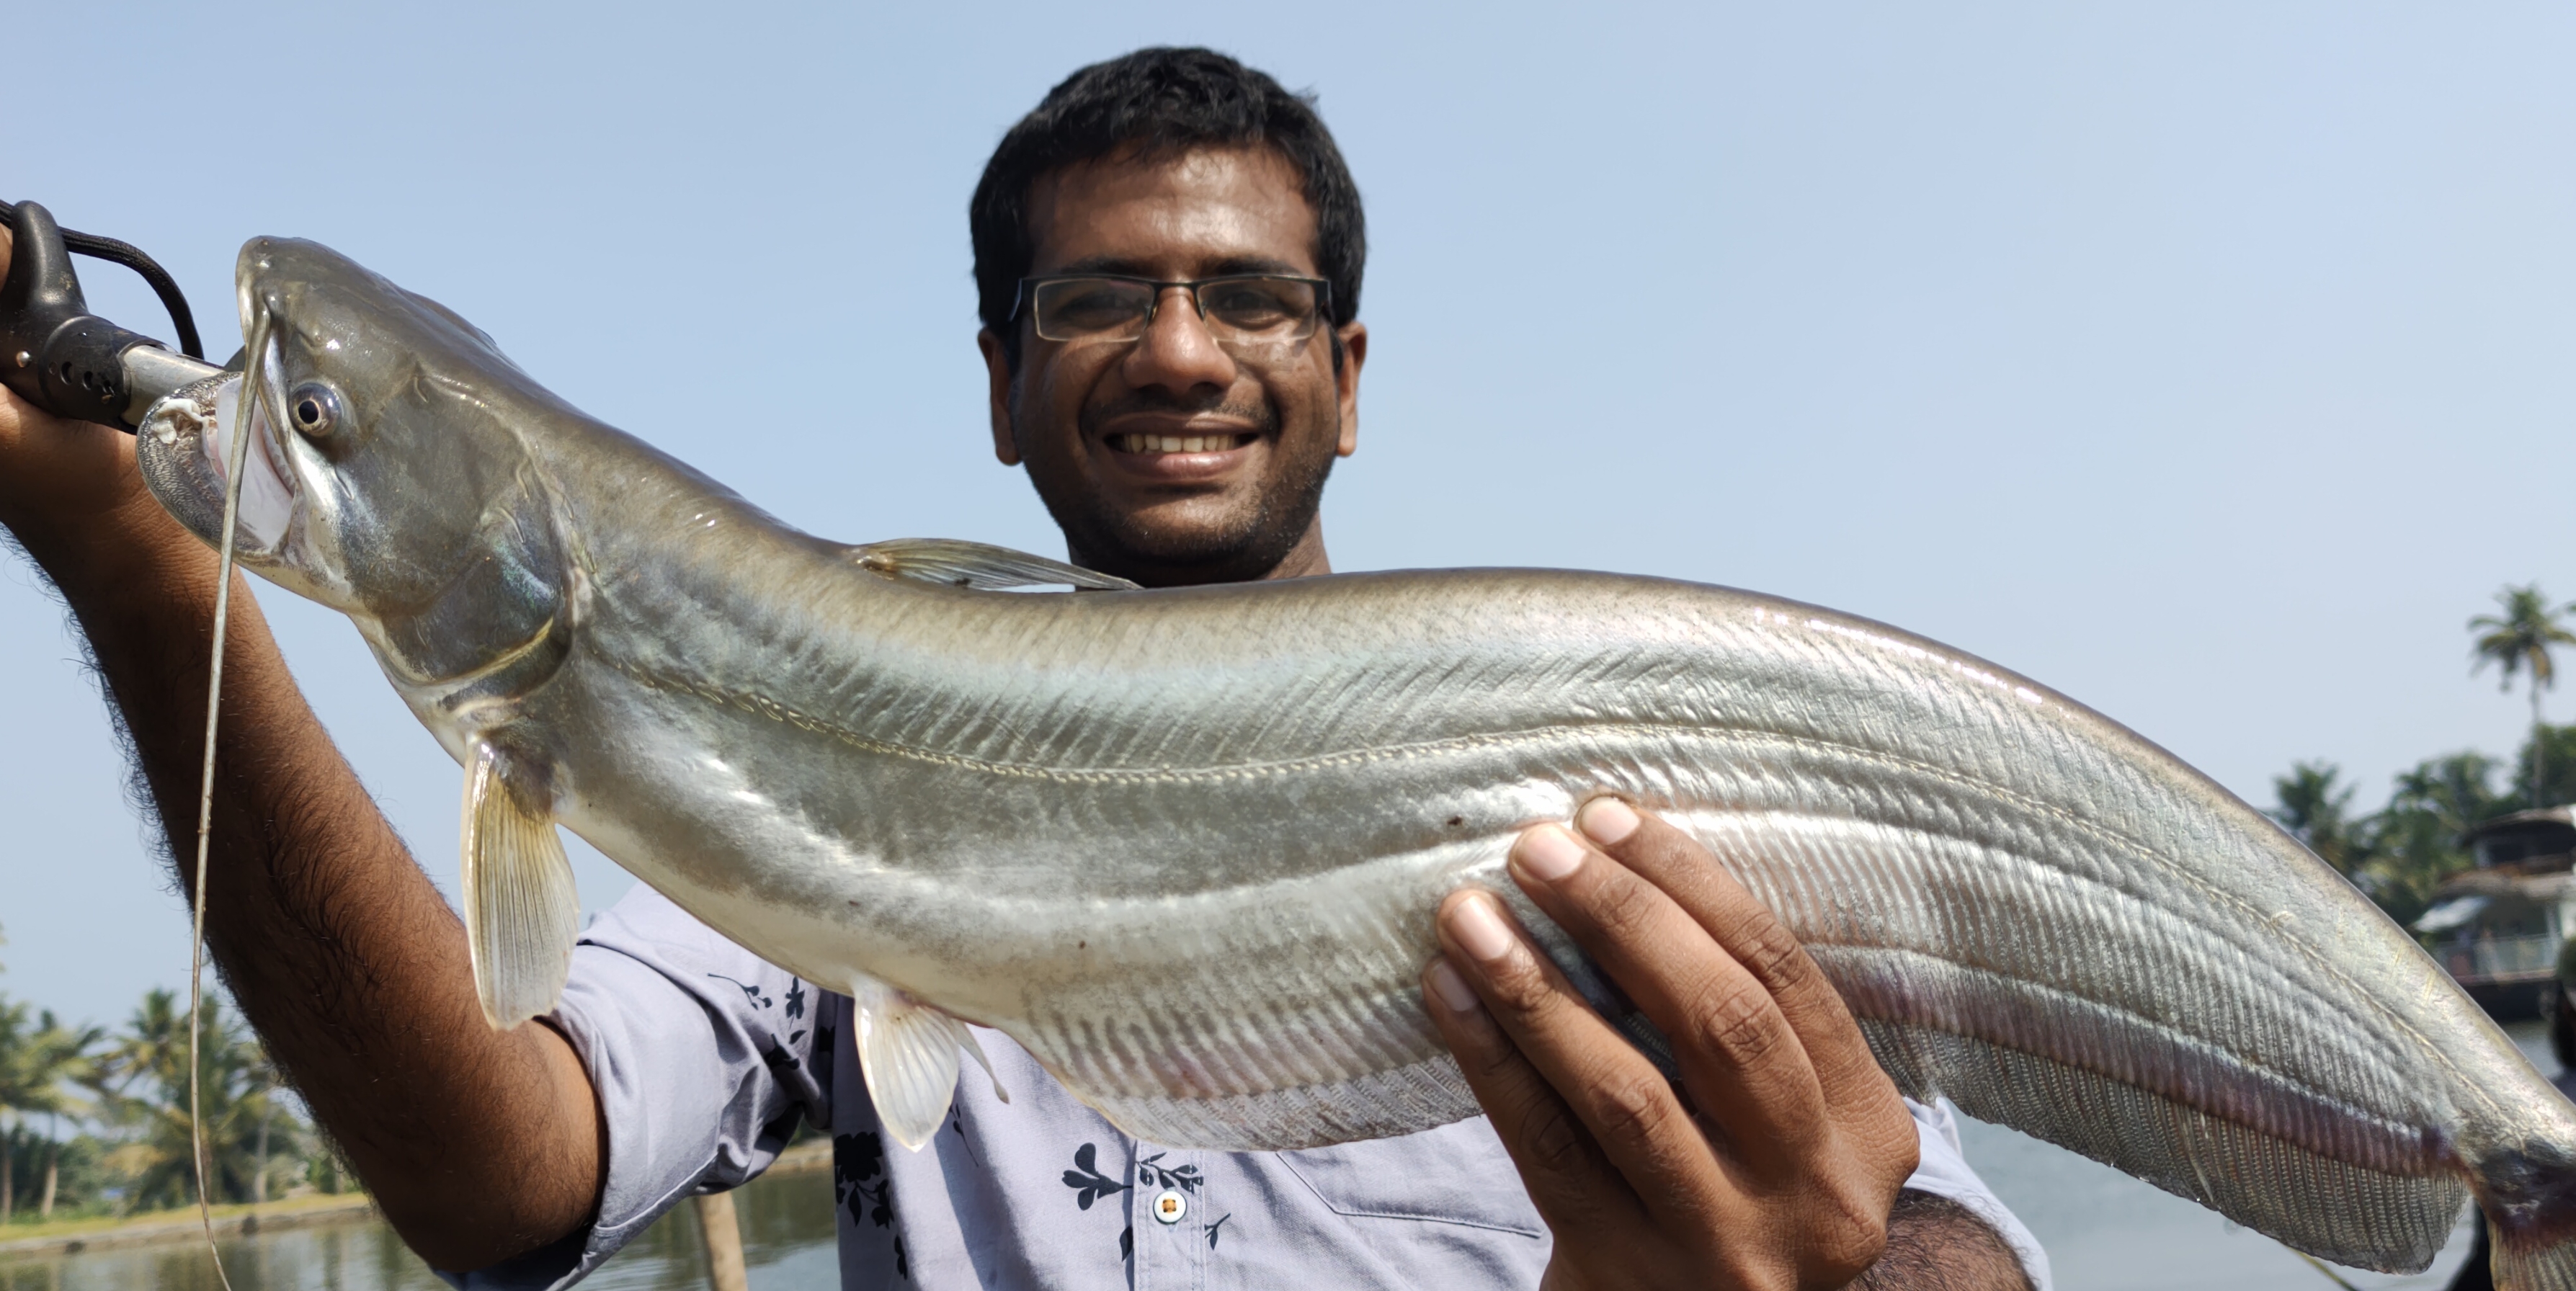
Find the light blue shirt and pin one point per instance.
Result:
(706, 1058)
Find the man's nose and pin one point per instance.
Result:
(1177, 352)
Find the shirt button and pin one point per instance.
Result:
(1170, 1205)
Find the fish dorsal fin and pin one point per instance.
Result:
(976, 564)
(521, 912)
(908, 1052)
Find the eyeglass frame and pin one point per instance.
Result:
(1026, 301)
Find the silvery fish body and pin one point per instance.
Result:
(1185, 845)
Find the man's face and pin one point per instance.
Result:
(1173, 459)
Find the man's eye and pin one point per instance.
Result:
(1250, 305)
(1097, 307)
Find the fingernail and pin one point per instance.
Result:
(1480, 929)
(1607, 821)
(1549, 853)
(1452, 989)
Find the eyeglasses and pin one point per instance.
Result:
(1247, 309)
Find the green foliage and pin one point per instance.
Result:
(2400, 853)
(43, 1072)
(147, 1099)
(40, 1065)
(2522, 636)
(125, 1100)
(82, 1181)
(2418, 834)
(2550, 756)
(2520, 640)
(2318, 811)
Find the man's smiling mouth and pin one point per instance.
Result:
(1132, 443)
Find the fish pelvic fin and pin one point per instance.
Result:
(908, 1053)
(978, 565)
(522, 913)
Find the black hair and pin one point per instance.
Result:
(1152, 103)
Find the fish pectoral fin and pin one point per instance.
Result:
(521, 911)
(975, 564)
(908, 1053)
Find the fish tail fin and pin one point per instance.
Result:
(2522, 1265)
(2528, 1199)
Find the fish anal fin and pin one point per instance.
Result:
(522, 913)
(908, 1052)
(974, 564)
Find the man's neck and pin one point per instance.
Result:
(1304, 560)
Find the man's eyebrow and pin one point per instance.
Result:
(1139, 269)
(1104, 264)
(1256, 264)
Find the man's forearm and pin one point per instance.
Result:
(338, 948)
(1936, 1244)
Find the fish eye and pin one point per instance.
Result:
(313, 408)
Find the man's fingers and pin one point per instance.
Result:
(1747, 930)
(1742, 1061)
(1569, 1180)
(1632, 1113)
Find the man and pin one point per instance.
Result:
(1168, 252)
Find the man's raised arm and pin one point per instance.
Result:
(479, 1145)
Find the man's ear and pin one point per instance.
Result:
(997, 369)
(1346, 377)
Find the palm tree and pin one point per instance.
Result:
(2312, 803)
(149, 1096)
(36, 1065)
(55, 1061)
(13, 1048)
(2520, 639)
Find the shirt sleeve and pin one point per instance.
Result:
(1943, 1171)
(704, 1058)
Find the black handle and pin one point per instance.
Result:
(55, 353)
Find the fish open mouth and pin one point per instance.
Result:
(186, 446)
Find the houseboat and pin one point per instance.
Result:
(2497, 927)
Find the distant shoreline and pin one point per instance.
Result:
(74, 1236)
(71, 1237)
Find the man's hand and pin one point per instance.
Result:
(1776, 1161)
(72, 481)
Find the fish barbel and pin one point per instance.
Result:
(1185, 845)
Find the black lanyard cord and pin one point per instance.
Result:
(132, 257)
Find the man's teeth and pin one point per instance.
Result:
(1174, 443)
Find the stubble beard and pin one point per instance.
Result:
(1241, 547)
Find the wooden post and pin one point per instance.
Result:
(724, 1243)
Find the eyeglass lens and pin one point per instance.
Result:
(1249, 309)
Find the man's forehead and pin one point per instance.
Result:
(1179, 215)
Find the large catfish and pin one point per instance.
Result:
(1185, 846)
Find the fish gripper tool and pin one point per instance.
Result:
(62, 358)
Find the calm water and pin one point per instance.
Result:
(786, 1235)
(2104, 1231)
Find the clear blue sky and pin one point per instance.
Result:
(2211, 363)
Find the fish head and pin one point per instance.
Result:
(379, 427)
